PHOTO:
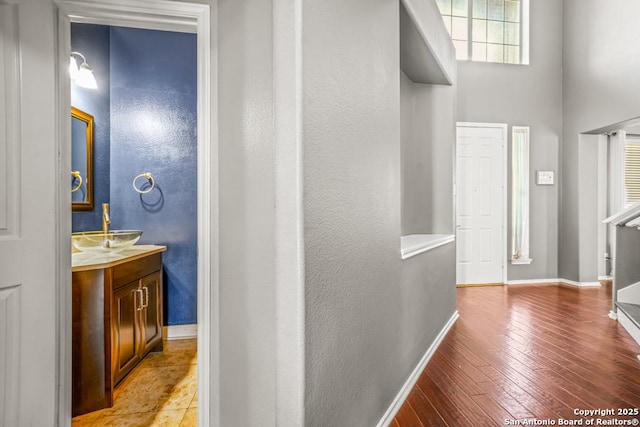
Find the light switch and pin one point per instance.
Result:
(544, 177)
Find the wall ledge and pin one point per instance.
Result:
(427, 54)
(415, 244)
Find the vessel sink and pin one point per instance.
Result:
(99, 242)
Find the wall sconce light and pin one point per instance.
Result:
(83, 75)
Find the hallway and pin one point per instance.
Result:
(523, 352)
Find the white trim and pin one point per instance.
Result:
(525, 34)
(289, 214)
(63, 226)
(533, 282)
(173, 16)
(624, 216)
(505, 213)
(580, 284)
(603, 143)
(162, 15)
(520, 182)
(552, 281)
(415, 244)
(628, 324)
(521, 261)
(605, 278)
(482, 125)
(180, 332)
(633, 223)
(402, 395)
(10, 164)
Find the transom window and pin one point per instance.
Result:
(488, 30)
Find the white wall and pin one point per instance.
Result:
(526, 95)
(600, 70)
(369, 316)
(247, 270)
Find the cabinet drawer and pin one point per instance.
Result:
(132, 271)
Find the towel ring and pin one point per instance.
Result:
(76, 175)
(149, 178)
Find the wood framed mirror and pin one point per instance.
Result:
(81, 160)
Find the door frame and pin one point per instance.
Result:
(504, 210)
(168, 16)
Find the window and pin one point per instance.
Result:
(631, 170)
(488, 30)
(520, 195)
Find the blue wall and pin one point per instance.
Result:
(151, 103)
(153, 129)
(93, 42)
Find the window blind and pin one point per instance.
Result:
(632, 171)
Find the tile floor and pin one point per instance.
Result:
(160, 392)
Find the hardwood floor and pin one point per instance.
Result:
(523, 352)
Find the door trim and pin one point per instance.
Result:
(505, 222)
(168, 16)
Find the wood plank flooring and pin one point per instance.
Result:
(528, 352)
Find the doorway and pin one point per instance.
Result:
(144, 163)
(166, 16)
(481, 203)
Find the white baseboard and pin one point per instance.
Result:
(180, 332)
(626, 323)
(580, 284)
(532, 282)
(402, 395)
(605, 278)
(551, 281)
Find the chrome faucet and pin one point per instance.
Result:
(105, 218)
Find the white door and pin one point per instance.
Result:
(480, 202)
(28, 242)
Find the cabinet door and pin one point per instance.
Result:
(125, 330)
(151, 313)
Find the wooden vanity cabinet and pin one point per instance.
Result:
(137, 323)
(117, 320)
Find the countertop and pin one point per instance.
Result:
(83, 261)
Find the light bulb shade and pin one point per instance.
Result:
(73, 68)
(85, 77)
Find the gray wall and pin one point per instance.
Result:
(361, 340)
(528, 95)
(369, 315)
(426, 115)
(601, 86)
(626, 265)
